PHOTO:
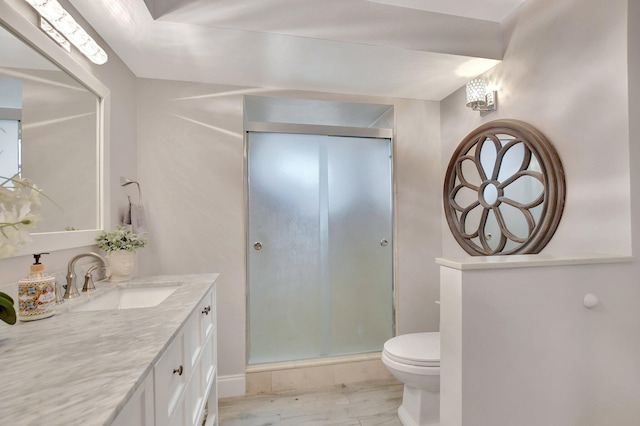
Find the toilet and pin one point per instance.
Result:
(414, 359)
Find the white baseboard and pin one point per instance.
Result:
(233, 385)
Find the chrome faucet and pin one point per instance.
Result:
(72, 290)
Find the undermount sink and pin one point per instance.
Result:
(127, 298)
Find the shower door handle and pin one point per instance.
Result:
(257, 245)
(384, 243)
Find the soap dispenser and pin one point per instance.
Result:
(36, 293)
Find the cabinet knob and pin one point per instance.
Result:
(178, 370)
(206, 310)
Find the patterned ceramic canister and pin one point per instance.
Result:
(36, 298)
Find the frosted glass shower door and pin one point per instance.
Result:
(319, 246)
(359, 249)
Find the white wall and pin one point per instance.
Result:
(191, 168)
(565, 72)
(532, 354)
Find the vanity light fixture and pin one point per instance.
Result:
(478, 99)
(64, 23)
(54, 34)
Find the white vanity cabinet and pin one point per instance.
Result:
(182, 389)
(127, 356)
(201, 394)
(185, 375)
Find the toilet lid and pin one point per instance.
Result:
(422, 349)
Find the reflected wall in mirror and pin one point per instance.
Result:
(504, 190)
(48, 134)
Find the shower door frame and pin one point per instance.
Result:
(323, 130)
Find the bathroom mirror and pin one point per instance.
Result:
(57, 108)
(504, 190)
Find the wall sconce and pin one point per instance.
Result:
(478, 99)
(69, 29)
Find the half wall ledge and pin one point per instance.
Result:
(528, 261)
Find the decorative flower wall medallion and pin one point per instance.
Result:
(504, 190)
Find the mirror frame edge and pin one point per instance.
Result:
(30, 34)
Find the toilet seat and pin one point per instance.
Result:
(414, 359)
(417, 349)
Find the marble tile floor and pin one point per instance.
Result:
(372, 403)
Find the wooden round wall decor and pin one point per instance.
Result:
(504, 190)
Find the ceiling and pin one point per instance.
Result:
(418, 49)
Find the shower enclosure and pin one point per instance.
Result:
(320, 245)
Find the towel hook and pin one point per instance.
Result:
(126, 181)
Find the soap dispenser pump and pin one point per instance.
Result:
(36, 293)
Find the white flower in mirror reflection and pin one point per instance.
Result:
(499, 193)
(19, 205)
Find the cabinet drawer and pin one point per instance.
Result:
(208, 314)
(200, 325)
(209, 360)
(194, 397)
(170, 377)
(178, 418)
(193, 340)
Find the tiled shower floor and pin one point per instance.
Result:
(362, 404)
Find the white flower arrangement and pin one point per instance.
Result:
(19, 212)
(120, 239)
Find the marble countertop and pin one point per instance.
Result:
(80, 368)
